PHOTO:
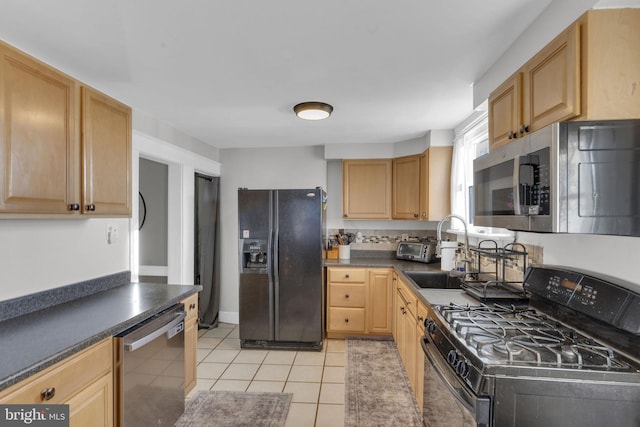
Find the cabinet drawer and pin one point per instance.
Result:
(346, 319)
(347, 275)
(347, 295)
(67, 377)
(191, 306)
(409, 297)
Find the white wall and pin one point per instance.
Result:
(302, 167)
(36, 255)
(614, 256)
(151, 127)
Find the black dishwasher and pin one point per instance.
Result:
(149, 371)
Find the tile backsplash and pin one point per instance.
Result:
(383, 240)
(514, 264)
(387, 240)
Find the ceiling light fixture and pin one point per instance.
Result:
(313, 110)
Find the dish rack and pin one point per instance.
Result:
(488, 285)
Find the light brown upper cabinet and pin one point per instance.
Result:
(39, 144)
(551, 83)
(415, 187)
(366, 189)
(63, 150)
(544, 91)
(505, 111)
(435, 183)
(588, 72)
(406, 187)
(106, 155)
(610, 51)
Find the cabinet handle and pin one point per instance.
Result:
(74, 207)
(91, 207)
(346, 320)
(415, 215)
(513, 135)
(346, 295)
(346, 276)
(524, 128)
(346, 216)
(48, 393)
(420, 319)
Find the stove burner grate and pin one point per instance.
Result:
(520, 335)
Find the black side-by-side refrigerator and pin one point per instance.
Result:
(281, 237)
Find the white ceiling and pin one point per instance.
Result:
(228, 72)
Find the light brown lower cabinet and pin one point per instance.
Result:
(359, 301)
(190, 343)
(84, 381)
(408, 331)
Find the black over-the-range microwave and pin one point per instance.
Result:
(569, 177)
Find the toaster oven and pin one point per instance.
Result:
(417, 251)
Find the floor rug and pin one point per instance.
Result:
(234, 408)
(377, 389)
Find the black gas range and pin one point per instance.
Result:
(569, 357)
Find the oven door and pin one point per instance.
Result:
(447, 401)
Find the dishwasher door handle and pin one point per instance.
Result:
(176, 319)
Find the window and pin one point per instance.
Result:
(471, 141)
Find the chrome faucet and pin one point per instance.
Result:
(467, 255)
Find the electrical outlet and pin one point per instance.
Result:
(112, 233)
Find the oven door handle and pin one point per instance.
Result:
(480, 407)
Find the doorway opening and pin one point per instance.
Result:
(206, 253)
(153, 192)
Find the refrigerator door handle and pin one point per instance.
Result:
(275, 268)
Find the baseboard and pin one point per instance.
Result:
(229, 317)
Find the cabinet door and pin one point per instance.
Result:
(366, 189)
(406, 187)
(399, 324)
(190, 342)
(505, 111)
(379, 306)
(610, 54)
(190, 355)
(106, 150)
(435, 183)
(39, 157)
(409, 331)
(93, 406)
(552, 82)
(419, 367)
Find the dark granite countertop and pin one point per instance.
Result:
(380, 262)
(34, 341)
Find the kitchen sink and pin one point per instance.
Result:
(433, 279)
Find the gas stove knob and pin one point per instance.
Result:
(462, 368)
(452, 357)
(430, 325)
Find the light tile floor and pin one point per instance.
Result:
(316, 379)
